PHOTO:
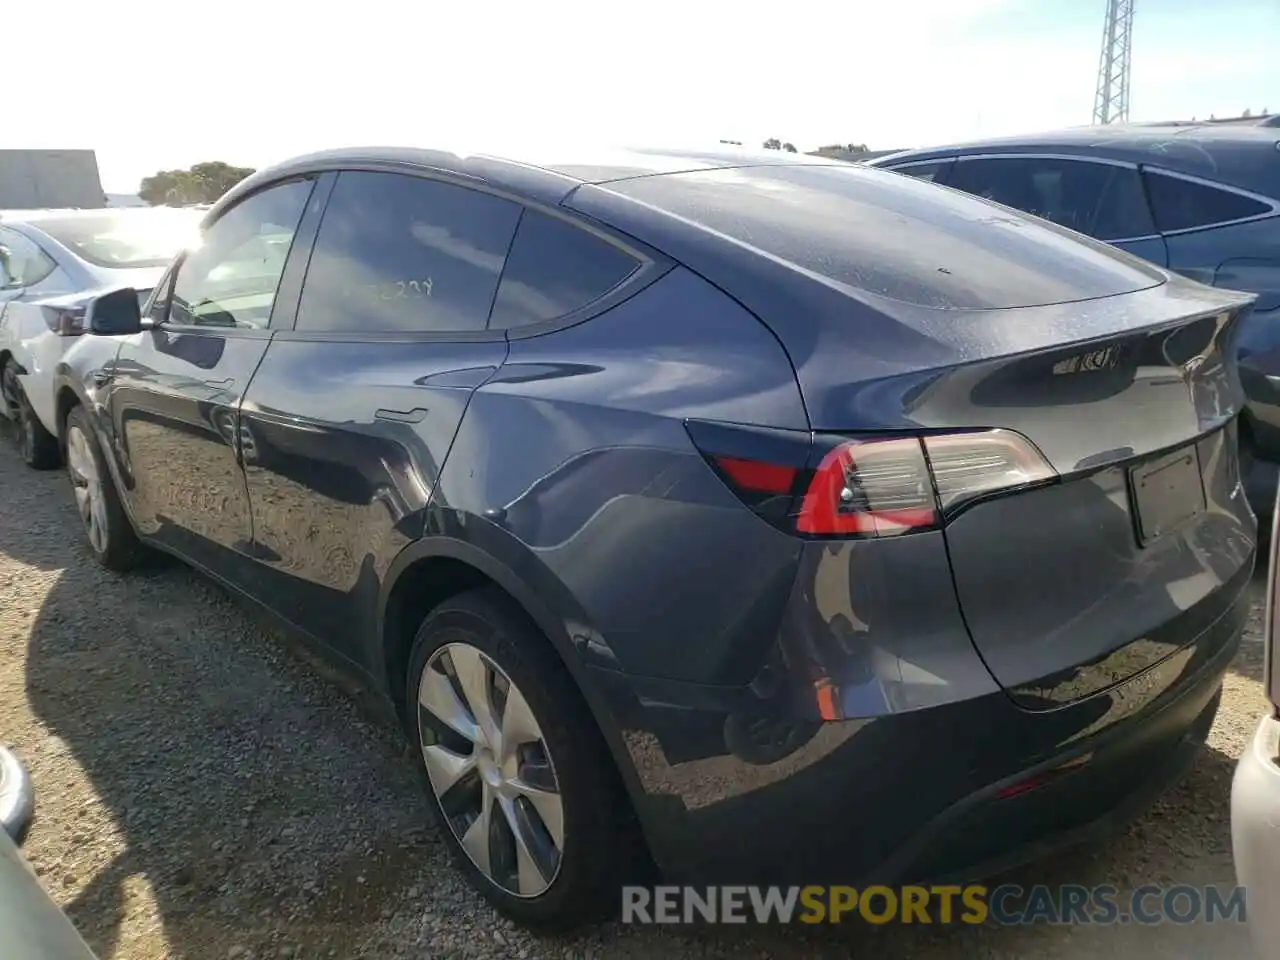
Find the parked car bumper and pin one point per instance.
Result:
(17, 799)
(1255, 830)
(31, 925)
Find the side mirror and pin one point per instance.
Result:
(114, 313)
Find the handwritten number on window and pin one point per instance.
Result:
(394, 290)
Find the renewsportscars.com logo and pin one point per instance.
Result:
(1006, 905)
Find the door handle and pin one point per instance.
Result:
(220, 384)
(102, 377)
(415, 415)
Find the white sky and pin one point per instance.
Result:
(154, 84)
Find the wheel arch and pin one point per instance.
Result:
(434, 569)
(65, 400)
(6, 355)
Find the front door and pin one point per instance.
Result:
(349, 421)
(175, 390)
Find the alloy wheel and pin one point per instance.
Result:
(26, 431)
(490, 769)
(19, 410)
(87, 483)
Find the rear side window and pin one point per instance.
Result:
(555, 268)
(1101, 200)
(398, 254)
(893, 237)
(22, 262)
(1184, 204)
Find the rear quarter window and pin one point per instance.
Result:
(22, 262)
(1180, 204)
(895, 237)
(555, 268)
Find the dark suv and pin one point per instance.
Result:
(771, 518)
(1201, 199)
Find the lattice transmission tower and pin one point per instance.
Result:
(1111, 102)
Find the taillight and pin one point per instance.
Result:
(870, 487)
(968, 466)
(64, 321)
(875, 488)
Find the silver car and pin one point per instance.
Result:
(49, 260)
(31, 925)
(1255, 792)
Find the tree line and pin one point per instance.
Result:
(202, 183)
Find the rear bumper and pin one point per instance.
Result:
(17, 798)
(1255, 830)
(925, 794)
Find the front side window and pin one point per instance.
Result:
(230, 279)
(1185, 204)
(932, 172)
(22, 262)
(555, 268)
(1101, 200)
(400, 254)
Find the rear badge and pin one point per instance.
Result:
(1106, 359)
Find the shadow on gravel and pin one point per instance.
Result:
(261, 806)
(1249, 661)
(269, 813)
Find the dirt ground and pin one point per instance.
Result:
(205, 792)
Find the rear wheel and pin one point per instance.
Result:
(524, 789)
(107, 528)
(36, 445)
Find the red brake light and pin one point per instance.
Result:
(758, 476)
(876, 488)
(871, 487)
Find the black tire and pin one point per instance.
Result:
(602, 849)
(36, 445)
(120, 550)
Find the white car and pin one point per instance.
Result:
(1255, 791)
(49, 261)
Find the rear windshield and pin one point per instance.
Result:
(896, 237)
(127, 238)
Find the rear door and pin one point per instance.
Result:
(1102, 199)
(347, 422)
(1231, 239)
(174, 390)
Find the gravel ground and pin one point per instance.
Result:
(205, 791)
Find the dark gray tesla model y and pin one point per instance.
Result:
(764, 518)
